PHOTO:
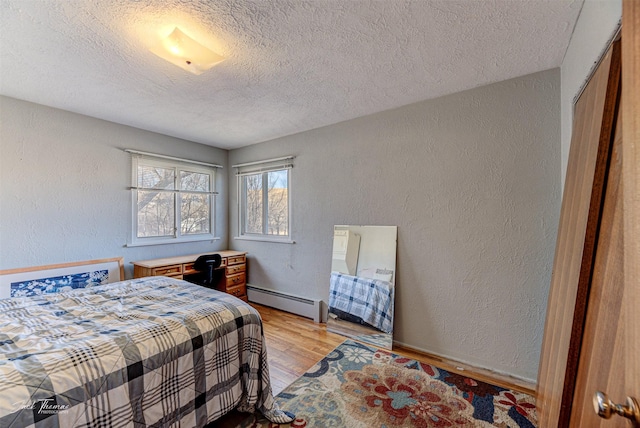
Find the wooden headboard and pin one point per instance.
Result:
(36, 280)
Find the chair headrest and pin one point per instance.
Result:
(207, 261)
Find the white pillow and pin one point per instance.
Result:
(383, 274)
(366, 272)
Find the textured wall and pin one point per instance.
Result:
(596, 24)
(63, 187)
(472, 182)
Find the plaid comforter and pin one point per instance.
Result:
(145, 352)
(368, 299)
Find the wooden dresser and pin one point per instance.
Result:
(234, 263)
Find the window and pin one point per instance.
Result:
(264, 199)
(173, 201)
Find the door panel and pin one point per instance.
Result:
(602, 359)
(610, 356)
(631, 190)
(609, 338)
(579, 219)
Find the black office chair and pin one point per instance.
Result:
(208, 273)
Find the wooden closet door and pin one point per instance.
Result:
(610, 345)
(576, 243)
(602, 360)
(631, 190)
(605, 349)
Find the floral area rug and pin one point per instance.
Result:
(359, 387)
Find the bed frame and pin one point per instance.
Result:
(23, 281)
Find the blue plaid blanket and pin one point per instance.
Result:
(147, 352)
(368, 299)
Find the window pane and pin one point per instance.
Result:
(194, 181)
(151, 177)
(278, 195)
(155, 214)
(194, 211)
(253, 203)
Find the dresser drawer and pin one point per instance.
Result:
(231, 270)
(235, 260)
(187, 269)
(239, 291)
(168, 270)
(236, 279)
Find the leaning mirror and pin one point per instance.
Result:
(362, 284)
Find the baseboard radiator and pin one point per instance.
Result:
(308, 308)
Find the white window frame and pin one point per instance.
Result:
(264, 167)
(147, 159)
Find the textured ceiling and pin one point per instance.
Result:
(291, 65)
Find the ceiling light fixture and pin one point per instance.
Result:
(186, 53)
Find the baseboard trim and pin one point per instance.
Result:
(303, 306)
(478, 373)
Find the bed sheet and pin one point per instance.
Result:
(145, 352)
(368, 299)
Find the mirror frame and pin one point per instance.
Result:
(376, 259)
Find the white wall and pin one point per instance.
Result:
(472, 180)
(596, 26)
(63, 187)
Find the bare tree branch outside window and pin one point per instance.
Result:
(253, 203)
(278, 203)
(268, 190)
(160, 190)
(195, 210)
(155, 206)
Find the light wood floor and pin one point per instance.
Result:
(295, 344)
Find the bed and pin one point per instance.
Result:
(153, 351)
(362, 300)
